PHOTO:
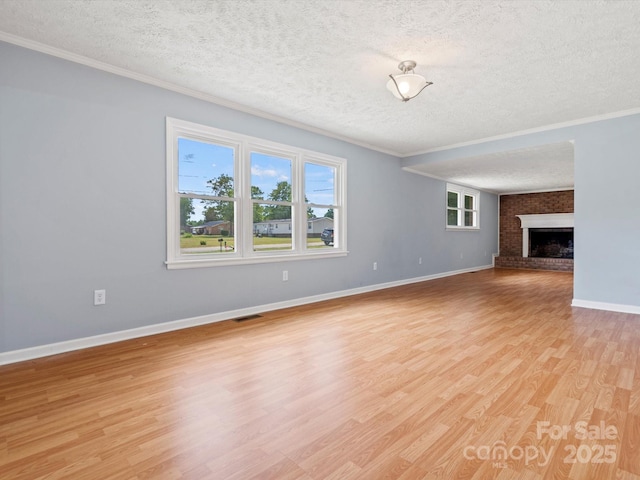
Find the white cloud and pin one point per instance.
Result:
(263, 172)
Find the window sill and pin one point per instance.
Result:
(462, 229)
(180, 264)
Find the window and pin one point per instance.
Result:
(463, 207)
(236, 199)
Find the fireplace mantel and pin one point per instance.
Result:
(547, 220)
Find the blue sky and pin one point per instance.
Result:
(200, 162)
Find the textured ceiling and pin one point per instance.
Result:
(545, 167)
(497, 66)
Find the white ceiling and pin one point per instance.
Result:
(497, 67)
(544, 167)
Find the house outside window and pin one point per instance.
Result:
(462, 208)
(234, 199)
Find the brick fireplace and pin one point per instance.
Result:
(542, 210)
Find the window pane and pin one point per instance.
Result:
(319, 212)
(217, 210)
(468, 219)
(205, 168)
(468, 202)
(319, 184)
(452, 199)
(206, 232)
(282, 197)
(452, 217)
(320, 233)
(274, 231)
(270, 177)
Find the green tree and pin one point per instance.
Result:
(329, 213)
(310, 213)
(256, 193)
(186, 210)
(258, 210)
(282, 193)
(221, 186)
(212, 213)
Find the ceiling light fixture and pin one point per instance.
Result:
(408, 84)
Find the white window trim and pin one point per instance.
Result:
(462, 191)
(244, 253)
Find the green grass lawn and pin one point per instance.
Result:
(194, 241)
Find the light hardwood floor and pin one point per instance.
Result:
(420, 381)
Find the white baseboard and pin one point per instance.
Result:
(612, 307)
(87, 342)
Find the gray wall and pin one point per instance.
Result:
(82, 207)
(607, 205)
(607, 201)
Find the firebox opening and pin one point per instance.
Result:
(551, 242)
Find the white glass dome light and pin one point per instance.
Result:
(407, 85)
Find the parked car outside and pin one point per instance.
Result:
(327, 236)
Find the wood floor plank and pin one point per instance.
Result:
(453, 378)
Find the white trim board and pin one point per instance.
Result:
(123, 72)
(543, 220)
(611, 307)
(104, 339)
(529, 131)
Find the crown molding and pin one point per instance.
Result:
(443, 179)
(486, 190)
(546, 128)
(545, 190)
(123, 72)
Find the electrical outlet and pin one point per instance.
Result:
(99, 297)
(420, 261)
(375, 265)
(285, 275)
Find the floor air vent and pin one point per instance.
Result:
(248, 317)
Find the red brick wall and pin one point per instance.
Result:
(529, 263)
(527, 204)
